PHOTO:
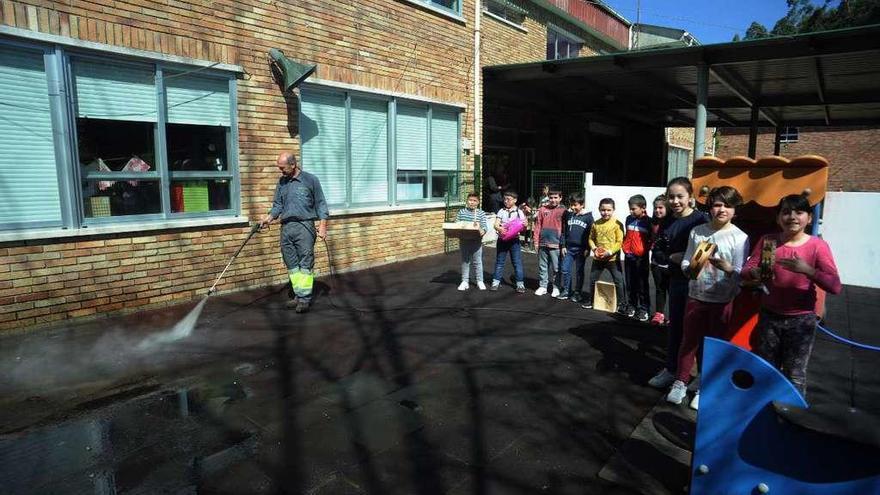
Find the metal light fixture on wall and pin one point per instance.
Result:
(292, 73)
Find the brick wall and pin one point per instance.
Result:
(851, 151)
(505, 44)
(387, 45)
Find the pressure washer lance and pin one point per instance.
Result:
(254, 229)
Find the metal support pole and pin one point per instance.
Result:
(777, 140)
(700, 121)
(753, 132)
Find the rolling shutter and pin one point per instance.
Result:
(197, 100)
(29, 195)
(322, 130)
(412, 137)
(444, 140)
(115, 91)
(369, 150)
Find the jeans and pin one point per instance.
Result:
(678, 294)
(786, 342)
(637, 283)
(573, 256)
(616, 276)
(548, 262)
(502, 249)
(471, 254)
(661, 287)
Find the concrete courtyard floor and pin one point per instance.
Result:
(394, 383)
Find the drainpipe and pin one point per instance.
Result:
(478, 143)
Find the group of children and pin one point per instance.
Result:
(662, 245)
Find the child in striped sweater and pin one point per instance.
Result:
(472, 249)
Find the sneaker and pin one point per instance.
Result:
(561, 296)
(642, 316)
(576, 297)
(520, 289)
(662, 379)
(302, 307)
(587, 305)
(630, 312)
(677, 393)
(695, 403)
(291, 303)
(541, 291)
(495, 285)
(555, 292)
(621, 310)
(481, 285)
(463, 286)
(658, 319)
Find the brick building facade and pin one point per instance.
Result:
(96, 257)
(851, 151)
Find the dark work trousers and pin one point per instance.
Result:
(786, 342)
(298, 251)
(661, 287)
(678, 294)
(636, 271)
(613, 268)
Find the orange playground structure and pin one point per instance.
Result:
(762, 183)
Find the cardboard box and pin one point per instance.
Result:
(604, 297)
(98, 206)
(462, 230)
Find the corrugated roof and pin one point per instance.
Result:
(831, 77)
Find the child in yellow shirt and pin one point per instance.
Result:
(606, 237)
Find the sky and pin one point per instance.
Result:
(711, 21)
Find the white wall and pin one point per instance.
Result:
(848, 227)
(620, 195)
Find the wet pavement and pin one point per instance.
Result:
(394, 383)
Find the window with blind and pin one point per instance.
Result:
(134, 141)
(372, 150)
(29, 189)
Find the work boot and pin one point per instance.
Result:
(302, 307)
(292, 303)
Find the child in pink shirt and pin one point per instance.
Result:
(786, 325)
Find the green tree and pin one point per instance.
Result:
(805, 17)
(756, 30)
(735, 37)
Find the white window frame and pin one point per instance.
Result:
(789, 134)
(58, 54)
(571, 37)
(454, 14)
(507, 8)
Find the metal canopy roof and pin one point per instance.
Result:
(826, 78)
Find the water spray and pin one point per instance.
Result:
(184, 327)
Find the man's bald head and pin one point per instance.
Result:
(287, 164)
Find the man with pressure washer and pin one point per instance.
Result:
(299, 201)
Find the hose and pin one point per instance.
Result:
(844, 340)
